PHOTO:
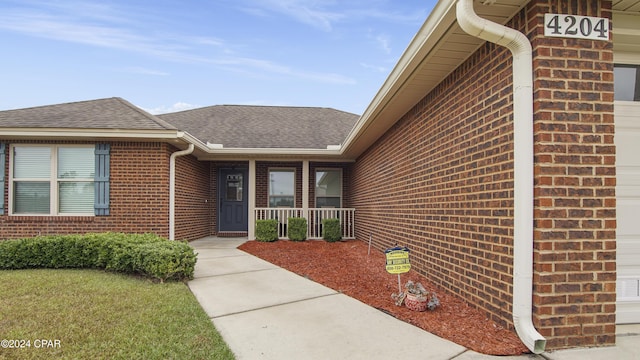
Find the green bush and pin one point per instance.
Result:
(297, 228)
(145, 254)
(267, 230)
(331, 230)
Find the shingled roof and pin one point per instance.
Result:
(245, 126)
(112, 113)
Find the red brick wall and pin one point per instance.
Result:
(441, 182)
(194, 211)
(139, 186)
(575, 206)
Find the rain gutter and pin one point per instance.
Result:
(521, 50)
(172, 189)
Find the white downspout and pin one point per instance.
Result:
(172, 189)
(521, 50)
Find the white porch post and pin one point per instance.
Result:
(305, 185)
(305, 190)
(252, 200)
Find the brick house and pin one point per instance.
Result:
(135, 172)
(500, 151)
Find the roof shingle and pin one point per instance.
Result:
(111, 113)
(245, 126)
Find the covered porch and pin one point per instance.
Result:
(280, 189)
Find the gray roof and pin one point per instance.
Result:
(245, 126)
(112, 113)
(234, 126)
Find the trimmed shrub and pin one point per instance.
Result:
(166, 260)
(297, 228)
(148, 254)
(331, 230)
(267, 230)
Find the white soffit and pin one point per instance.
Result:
(626, 32)
(437, 49)
(626, 5)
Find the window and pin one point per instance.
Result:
(329, 188)
(282, 188)
(234, 187)
(626, 84)
(52, 180)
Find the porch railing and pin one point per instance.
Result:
(314, 218)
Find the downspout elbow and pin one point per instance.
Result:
(520, 48)
(172, 189)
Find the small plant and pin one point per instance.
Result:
(297, 228)
(267, 230)
(331, 230)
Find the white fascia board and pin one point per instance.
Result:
(91, 134)
(276, 151)
(56, 133)
(190, 139)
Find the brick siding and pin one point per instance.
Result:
(139, 201)
(441, 182)
(575, 176)
(195, 210)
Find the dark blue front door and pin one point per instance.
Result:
(232, 195)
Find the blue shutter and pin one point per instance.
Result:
(101, 202)
(3, 152)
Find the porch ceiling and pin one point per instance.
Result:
(437, 49)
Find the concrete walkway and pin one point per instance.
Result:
(265, 312)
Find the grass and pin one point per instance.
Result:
(99, 315)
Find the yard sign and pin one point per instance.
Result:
(397, 260)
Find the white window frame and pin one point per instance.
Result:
(53, 180)
(315, 184)
(278, 169)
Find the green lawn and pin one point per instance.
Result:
(99, 315)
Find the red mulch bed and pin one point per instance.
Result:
(345, 267)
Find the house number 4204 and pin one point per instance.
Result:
(574, 26)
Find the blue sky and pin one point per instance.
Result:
(170, 55)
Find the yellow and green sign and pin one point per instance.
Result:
(397, 260)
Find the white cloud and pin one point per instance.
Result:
(144, 71)
(248, 64)
(384, 42)
(202, 40)
(310, 12)
(115, 28)
(179, 106)
(62, 28)
(376, 68)
(324, 14)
